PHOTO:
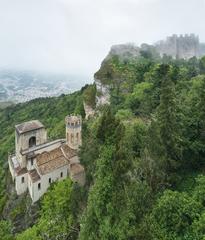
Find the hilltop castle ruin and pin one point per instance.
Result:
(180, 47)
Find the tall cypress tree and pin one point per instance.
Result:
(107, 197)
(167, 122)
(198, 108)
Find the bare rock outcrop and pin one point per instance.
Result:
(89, 111)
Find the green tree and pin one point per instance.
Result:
(202, 65)
(79, 108)
(194, 123)
(106, 131)
(199, 190)
(107, 197)
(56, 221)
(89, 95)
(167, 123)
(30, 234)
(96, 222)
(5, 230)
(173, 215)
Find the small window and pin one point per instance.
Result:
(72, 138)
(22, 180)
(31, 161)
(77, 137)
(49, 180)
(39, 186)
(61, 174)
(32, 142)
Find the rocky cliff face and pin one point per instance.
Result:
(106, 75)
(103, 93)
(19, 209)
(183, 46)
(124, 51)
(89, 110)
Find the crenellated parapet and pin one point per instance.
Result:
(73, 131)
(183, 46)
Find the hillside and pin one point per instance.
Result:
(143, 151)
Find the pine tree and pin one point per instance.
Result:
(167, 122)
(107, 198)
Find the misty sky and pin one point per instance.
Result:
(73, 36)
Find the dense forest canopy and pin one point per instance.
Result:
(144, 155)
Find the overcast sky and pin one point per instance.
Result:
(74, 36)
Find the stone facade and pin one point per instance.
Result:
(37, 163)
(73, 131)
(182, 47)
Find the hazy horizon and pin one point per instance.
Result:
(73, 37)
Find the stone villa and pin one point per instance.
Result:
(38, 162)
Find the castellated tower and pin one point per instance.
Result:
(73, 131)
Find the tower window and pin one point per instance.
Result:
(39, 186)
(22, 180)
(61, 174)
(77, 136)
(49, 180)
(32, 142)
(31, 161)
(71, 138)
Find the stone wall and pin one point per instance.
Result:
(21, 186)
(22, 142)
(34, 190)
(183, 46)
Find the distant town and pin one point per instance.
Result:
(19, 87)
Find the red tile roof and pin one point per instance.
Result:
(34, 175)
(59, 157)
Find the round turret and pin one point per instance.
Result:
(73, 131)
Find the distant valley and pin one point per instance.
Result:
(20, 86)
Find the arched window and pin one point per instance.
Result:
(32, 142)
(77, 137)
(71, 138)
